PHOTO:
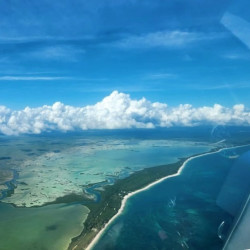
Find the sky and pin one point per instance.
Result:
(78, 52)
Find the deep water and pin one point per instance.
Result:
(194, 210)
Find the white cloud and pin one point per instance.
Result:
(58, 52)
(160, 76)
(31, 78)
(243, 85)
(164, 39)
(237, 56)
(116, 111)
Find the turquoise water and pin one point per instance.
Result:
(48, 169)
(185, 212)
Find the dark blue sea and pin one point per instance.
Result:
(194, 210)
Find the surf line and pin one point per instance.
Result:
(126, 197)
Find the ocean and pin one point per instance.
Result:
(194, 210)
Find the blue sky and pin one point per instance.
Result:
(78, 52)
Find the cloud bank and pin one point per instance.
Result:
(116, 111)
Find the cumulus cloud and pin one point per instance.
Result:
(116, 111)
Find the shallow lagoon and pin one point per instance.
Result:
(61, 172)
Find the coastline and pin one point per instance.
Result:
(127, 196)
